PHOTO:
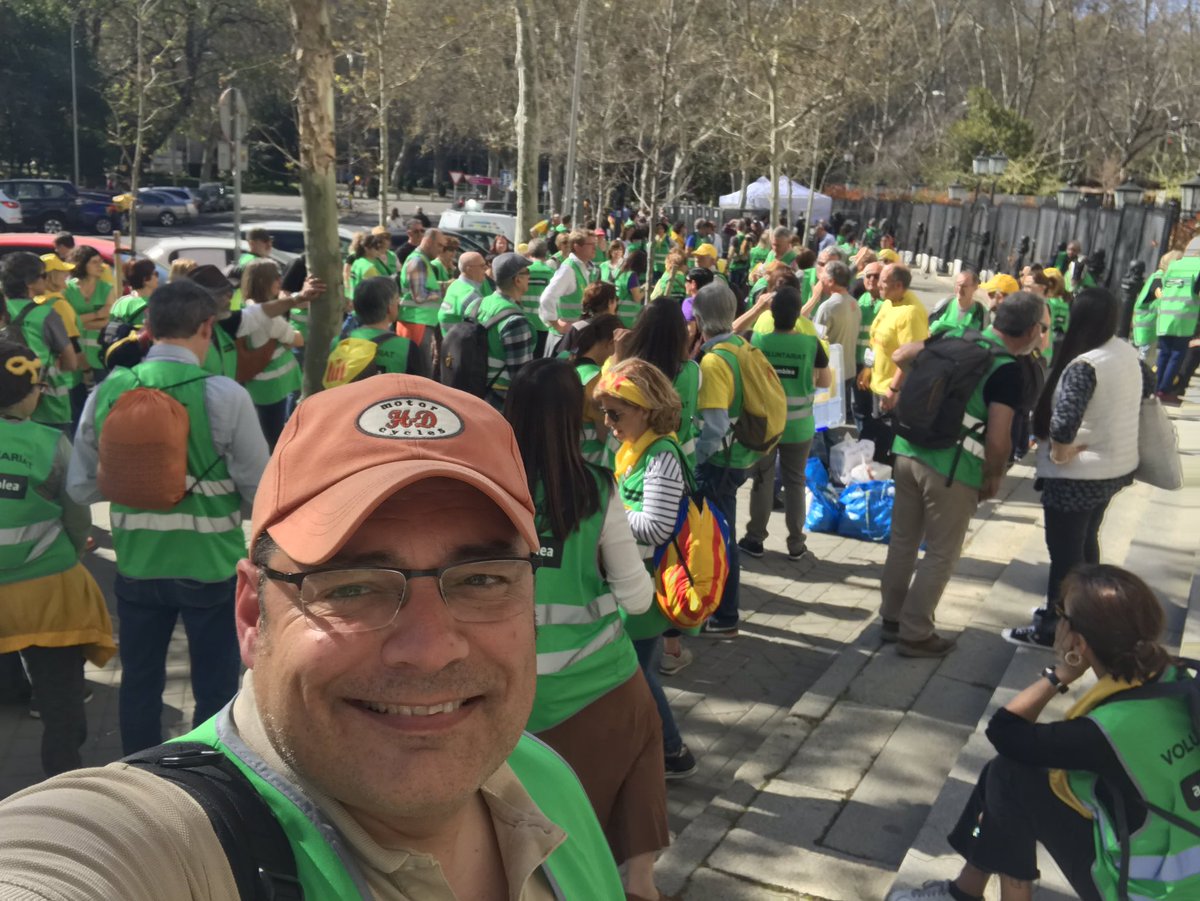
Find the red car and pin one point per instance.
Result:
(40, 243)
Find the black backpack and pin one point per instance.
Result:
(259, 853)
(464, 354)
(936, 390)
(15, 330)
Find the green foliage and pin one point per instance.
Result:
(35, 102)
(988, 127)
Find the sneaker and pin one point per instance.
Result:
(751, 546)
(1167, 399)
(36, 712)
(714, 629)
(680, 765)
(933, 646)
(801, 556)
(673, 663)
(934, 890)
(891, 630)
(1028, 637)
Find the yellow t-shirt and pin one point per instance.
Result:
(64, 309)
(897, 323)
(716, 384)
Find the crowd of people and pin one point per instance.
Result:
(610, 370)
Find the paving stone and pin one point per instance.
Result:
(840, 750)
(890, 681)
(980, 658)
(710, 885)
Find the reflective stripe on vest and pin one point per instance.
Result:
(175, 522)
(799, 407)
(211, 487)
(554, 662)
(1174, 868)
(573, 614)
(276, 369)
(42, 534)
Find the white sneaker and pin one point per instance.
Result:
(934, 890)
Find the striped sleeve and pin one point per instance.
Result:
(654, 524)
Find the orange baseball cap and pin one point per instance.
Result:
(348, 449)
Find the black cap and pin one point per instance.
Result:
(212, 279)
(20, 370)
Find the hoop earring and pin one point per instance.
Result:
(1073, 658)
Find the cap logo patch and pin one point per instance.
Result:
(409, 417)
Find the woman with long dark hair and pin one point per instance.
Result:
(594, 344)
(592, 703)
(630, 290)
(1086, 424)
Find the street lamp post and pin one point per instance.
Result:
(1126, 195)
(1068, 198)
(956, 191)
(985, 165)
(74, 106)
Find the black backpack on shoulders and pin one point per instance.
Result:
(934, 397)
(464, 354)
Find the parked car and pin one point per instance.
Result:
(289, 235)
(47, 204)
(43, 242)
(205, 250)
(10, 213)
(163, 208)
(187, 195)
(480, 223)
(98, 213)
(476, 241)
(214, 197)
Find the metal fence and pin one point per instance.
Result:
(1005, 237)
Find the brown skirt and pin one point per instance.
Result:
(615, 747)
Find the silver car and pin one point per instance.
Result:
(163, 208)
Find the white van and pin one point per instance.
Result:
(482, 223)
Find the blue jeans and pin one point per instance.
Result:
(272, 418)
(1171, 351)
(147, 610)
(649, 654)
(720, 485)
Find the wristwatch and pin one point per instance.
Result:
(1051, 676)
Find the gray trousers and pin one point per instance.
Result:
(792, 460)
(925, 509)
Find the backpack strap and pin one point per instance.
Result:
(259, 853)
(383, 339)
(488, 325)
(16, 327)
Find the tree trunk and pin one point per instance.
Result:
(556, 184)
(384, 150)
(313, 37)
(773, 111)
(528, 137)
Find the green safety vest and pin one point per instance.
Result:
(757, 288)
(793, 355)
(658, 254)
(497, 365)
(734, 455)
(868, 309)
(627, 308)
(410, 310)
(632, 485)
(758, 255)
(89, 339)
(582, 649)
(539, 277)
(33, 542)
(674, 286)
(582, 867)
(390, 355)
(201, 537)
(608, 272)
(592, 437)
(953, 319)
(969, 466)
(75, 376)
(1145, 311)
(363, 269)
(221, 358)
(808, 281)
(739, 262)
(598, 258)
(687, 386)
(460, 295)
(789, 258)
(570, 305)
(279, 379)
(1154, 739)
(246, 257)
(54, 406)
(1178, 306)
(298, 317)
(1060, 315)
(130, 309)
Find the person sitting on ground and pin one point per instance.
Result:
(53, 613)
(1100, 791)
(592, 705)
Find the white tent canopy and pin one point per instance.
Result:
(793, 199)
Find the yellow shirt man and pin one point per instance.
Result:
(899, 322)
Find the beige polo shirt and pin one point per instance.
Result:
(117, 832)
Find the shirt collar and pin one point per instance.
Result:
(172, 352)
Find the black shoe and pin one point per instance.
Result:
(1028, 637)
(714, 629)
(801, 556)
(891, 630)
(751, 546)
(681, 765)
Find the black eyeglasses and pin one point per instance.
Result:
(1061, 612)
(614, 415)
(365, 598)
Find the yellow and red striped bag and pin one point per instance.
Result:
(690, 570)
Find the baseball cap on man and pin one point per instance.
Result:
(19, 371)
(705, 250)
(54, 263)
(1001, 282)
(508, 266)
(348, 449)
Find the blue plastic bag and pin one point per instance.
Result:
(867, 511)
(816, 476)
(823, 511)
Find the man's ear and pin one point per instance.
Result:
(247, 611)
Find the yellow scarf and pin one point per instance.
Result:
(1105, 688)
(631, 451)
